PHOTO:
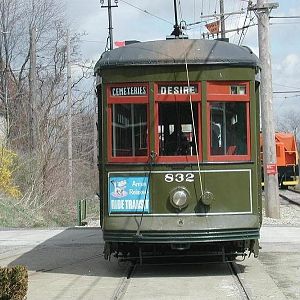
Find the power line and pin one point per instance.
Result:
(285, 17)
(243, 33)
(286, 92)
(287, 97)
(238, 7)
(147, 12)
(215, 16)
(91, 41)
(282, 23)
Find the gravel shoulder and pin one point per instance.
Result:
(289, 214)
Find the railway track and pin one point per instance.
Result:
(235, 271)
(291, 196)
(128, 281)
(295, 191)
(124, 282)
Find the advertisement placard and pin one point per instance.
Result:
(129, 194)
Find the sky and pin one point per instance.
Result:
(153, 20)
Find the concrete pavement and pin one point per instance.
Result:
(68, 264)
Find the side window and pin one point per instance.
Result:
(228, 128)
(228, 121)
(129, 130)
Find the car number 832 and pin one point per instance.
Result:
(179, 177)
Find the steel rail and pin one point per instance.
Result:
(124, 281)
(235, 271)
(289, 199)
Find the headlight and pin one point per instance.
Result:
(179, 198)
(207, 198)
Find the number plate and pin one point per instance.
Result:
(179, 177)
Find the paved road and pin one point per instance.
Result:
(280, 256)
(68, 264)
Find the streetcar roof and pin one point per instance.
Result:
(178, 52)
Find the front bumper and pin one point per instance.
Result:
(169, 237)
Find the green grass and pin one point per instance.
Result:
(15, 214)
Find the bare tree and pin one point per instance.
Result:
(42, 174)
(290, 122)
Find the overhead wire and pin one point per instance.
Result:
(180, 11)
(286, 23)
(243, 31)
(246, 28)
(238, 7)
(146, 12)
(285, 17)
(286, 92)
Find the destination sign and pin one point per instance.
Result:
(128, 91)
(178, 89)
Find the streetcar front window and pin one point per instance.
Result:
(228, 128)
(175, 128)
(129, 130)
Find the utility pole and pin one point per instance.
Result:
(95, 151)
(70, 145)
(269, 148)
(110, 28)
(32, 90)
(222, 18)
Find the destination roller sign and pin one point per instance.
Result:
(178, 89)
(126, 91)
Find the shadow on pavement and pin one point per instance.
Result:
(79, 251)
(73, 251)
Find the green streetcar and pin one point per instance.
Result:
(179, 149)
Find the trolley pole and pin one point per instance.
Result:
(269, 151)
(176, 31)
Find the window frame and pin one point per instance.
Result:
(136, 99)
(177, 98)
(215, 93)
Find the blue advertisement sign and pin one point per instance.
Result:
(129, 194)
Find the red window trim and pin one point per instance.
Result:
(227, 158)
(177, 158)
(126, 100)
(214, 91)
(177, 97)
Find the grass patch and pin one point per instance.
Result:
(15, 214)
